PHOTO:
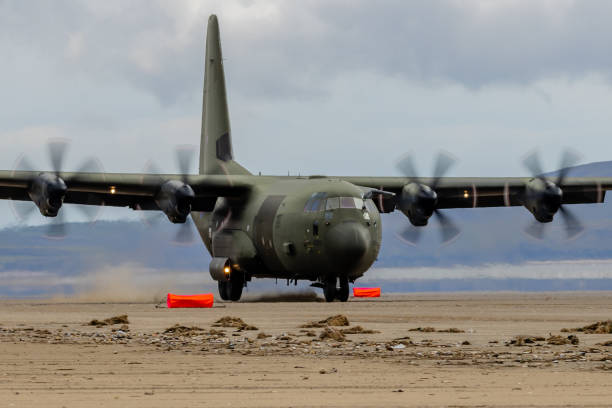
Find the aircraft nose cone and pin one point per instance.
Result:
(347, 242)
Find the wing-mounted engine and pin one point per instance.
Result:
(544, 198)
(419, 200)
(418, 203)
(47, 191)
(175, 198)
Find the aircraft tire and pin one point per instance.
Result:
(329, 291)
(223, 290)
(234, 288)
(343, 293)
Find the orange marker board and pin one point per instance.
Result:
(202, 300)
(366, 292)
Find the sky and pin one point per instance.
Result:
(314, 87)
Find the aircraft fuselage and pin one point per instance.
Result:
(303, 228)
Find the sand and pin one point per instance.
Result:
(465, 354)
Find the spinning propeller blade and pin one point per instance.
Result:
(449, 230)
(56, 149)
(571, 223)
(185, 155)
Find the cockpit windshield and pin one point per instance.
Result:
(351, 202)
(332, 203)
(320, 202)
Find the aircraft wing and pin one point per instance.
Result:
(471, 192)
(137, 191)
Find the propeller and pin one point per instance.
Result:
(56, 229)
(23, 210)
(444, 161)
(185, 155)
(56, 149)
(150, 176)
(448, 230)
(572, 224)
(569, 158)
(428, 197)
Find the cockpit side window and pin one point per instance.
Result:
(315, 203)
(371, 206)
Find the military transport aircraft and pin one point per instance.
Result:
(326, 230)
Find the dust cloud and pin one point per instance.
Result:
(133, 283)
(306, 295)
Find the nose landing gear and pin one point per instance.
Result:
(332, 292)
(232, 288)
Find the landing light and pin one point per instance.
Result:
(466, 194)
(112, 189)
(227, 271)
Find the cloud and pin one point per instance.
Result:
(485, 80)
(275, 49)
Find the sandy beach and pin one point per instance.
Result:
(402, 350)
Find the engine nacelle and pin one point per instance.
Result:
(47, 191)
(542, 198)
(417, 202)
(174, 199)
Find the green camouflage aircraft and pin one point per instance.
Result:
(326, 230)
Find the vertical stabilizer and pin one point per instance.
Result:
(216, 152)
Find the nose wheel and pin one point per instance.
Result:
(223, 290)
(232, 289)
(332, 292)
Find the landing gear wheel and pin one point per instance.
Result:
(223, 290)
(329, 290)
(234, 287)
(343, 293)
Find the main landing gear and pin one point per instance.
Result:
(332, 292)
(232, 289)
